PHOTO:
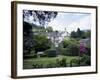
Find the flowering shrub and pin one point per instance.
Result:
(82, 48)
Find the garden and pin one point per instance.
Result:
(44, 47)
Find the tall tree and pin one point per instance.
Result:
(73, 34)
(79, 33)
(28, 41)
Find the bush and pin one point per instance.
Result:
(65, 51)
(85, 60)
(51, 52)
(62, 62)
(35, 65)
(74, 62)
(72, 47)
(74, 50)
(88, 51)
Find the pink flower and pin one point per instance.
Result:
(82, 48)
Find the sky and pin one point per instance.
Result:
(71, 21)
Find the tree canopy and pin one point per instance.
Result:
(40, 17)
(49, 29)
(81, 34)
(42, 43)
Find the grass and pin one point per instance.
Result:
(28, 63)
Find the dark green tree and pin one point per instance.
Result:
(73, 34)
(79, 33)
(88, 34)
(28, 42)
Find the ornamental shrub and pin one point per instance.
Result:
(51, 52)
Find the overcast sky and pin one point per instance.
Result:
(71, 21)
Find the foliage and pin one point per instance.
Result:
(65, 51)
(81, 34)
(82, 48)
(88, 33)
(42, 43)
(67, 43)
(74, 50)
(47, 62)
(37, 29)
(51, 52)
(27, 38)
(42, 17)
(49, 29)
(85, 60)
(74, 62)
(37, 65)
(73, 34)
(72, 47)
(62, 62)
(88, 51)
(34, 42)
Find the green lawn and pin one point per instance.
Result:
(28, 63)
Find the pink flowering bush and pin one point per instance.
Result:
(82, 48)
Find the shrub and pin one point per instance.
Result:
(85, 60)
(74, 62)
(62, 62)
(74, 50)
(72, 46)
(35, 65)
(88, 51)
(51, 52)
(65, 51)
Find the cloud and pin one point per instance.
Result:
(82, 23)
(71, 21)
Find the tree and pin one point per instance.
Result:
(49, 29)
(33, 42)
(69, 42)
(79, 33)
(28, 41)
(73, 34)
(42, 17)
(42, 43)
(88, 33)
(71, 47)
